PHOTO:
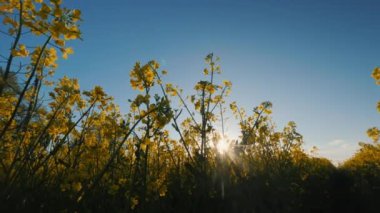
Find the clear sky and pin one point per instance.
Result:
(311, 58)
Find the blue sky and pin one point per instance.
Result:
(311, 58)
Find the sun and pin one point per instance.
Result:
(222, 146)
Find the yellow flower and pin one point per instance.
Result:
(8, 20)
(66, 52)
(134, 84)
(197, 105)
(56, 29)
(122, 181)
(149, 76)
(134, 202)
(155, 64)
(143, 147)
(44, 11)
(76, 15)
(163, 191)
(22, 51)
(171, 90)
(57, 12)
(6, 8)
(198, 86)
(376, 75)
(51, 57)
(60, 42)
(72, 33)
(77, 186)
(374, 133)
(227, 83)
(210, 88)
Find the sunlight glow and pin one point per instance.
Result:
(222, 146)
